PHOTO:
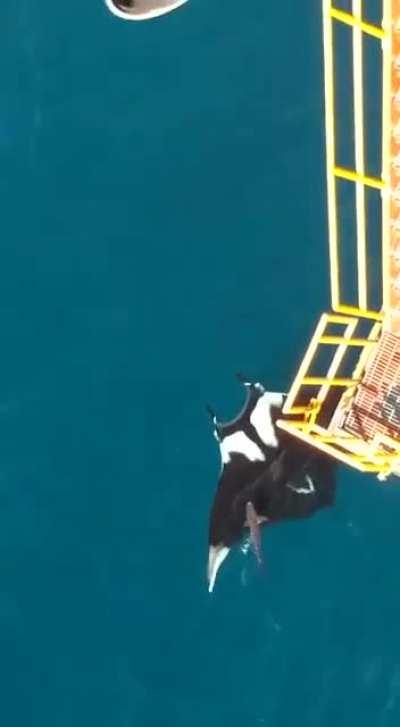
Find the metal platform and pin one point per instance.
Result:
(351, 408)
(375, 407)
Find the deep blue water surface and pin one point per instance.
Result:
(163, 226)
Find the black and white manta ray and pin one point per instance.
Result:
(266, 476)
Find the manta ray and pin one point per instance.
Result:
(266, 476)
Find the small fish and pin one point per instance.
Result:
(252, 521)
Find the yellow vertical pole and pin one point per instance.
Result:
(330, 152)
(386, 144)
(359, 154)
(305, 364)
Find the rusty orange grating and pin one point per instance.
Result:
(375, 408)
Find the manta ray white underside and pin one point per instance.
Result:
(142, 9)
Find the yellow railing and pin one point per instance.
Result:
(340, 343)
(356, 21)
(359, 175)
(317, 405)
(373, 458)
(303, 411)
(386, 162)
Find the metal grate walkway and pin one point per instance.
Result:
(375, 409)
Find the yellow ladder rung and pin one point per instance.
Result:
(320, 380)
(361, 312)
(301, 425)
(353, 20)
(335, 439)
(337, 340)
(353, 176)
(387, 455)
(335, 318)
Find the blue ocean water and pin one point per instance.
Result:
(164, 226)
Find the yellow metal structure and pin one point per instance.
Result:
(348, 339)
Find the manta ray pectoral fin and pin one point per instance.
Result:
(216, 557)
